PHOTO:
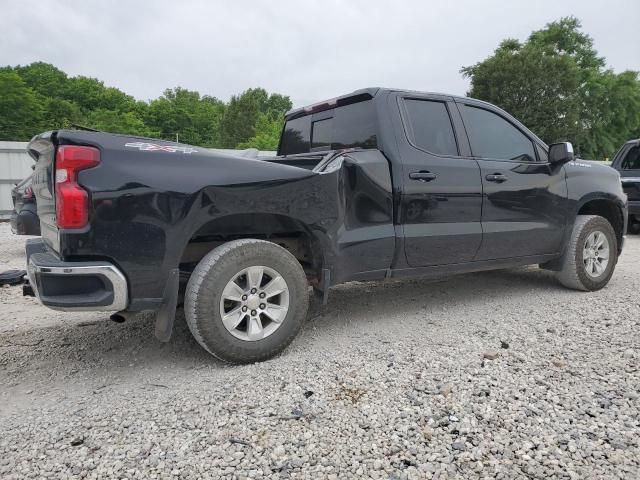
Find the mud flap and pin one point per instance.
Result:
(322, 290)
(167, 312)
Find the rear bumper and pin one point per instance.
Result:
(70, 286)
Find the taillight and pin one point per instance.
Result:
(72, 201)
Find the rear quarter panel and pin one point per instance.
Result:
(146, 206)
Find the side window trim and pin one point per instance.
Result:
(408, 128)
(538, 148)
(533, 143)
(464, 146)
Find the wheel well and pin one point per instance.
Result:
(285, 231)
(608, 210)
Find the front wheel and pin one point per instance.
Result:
(246, 300)
(591, 255)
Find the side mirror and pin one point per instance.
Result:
(561, 153)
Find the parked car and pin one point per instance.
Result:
(24, 218)
(627, 162)
(372, 185)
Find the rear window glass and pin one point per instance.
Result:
(296, 137)
(350, 126)
(321, 134)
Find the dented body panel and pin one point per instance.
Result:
(146, 206)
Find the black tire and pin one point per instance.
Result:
(204, 292)
(634, 226)
(573, 273)
(12, 277)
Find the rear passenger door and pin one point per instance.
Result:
(524, 206)
(441, 190)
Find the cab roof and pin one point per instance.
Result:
(359, 96)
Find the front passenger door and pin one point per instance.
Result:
(524, 202)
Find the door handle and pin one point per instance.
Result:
(496, 177)
(423, 176)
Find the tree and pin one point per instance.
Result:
(185, 114)
(45, 79)
(20, 111)
(243, 111)
(118, 122)
(557, 85)
(90, 94)
(40, 96)
(59, 113)
(538, 89)
(267, 133)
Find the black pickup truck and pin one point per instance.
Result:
(372, 185)
(627, 162)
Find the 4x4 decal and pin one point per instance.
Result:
(154, 147)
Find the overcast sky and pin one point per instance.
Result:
(309, 50)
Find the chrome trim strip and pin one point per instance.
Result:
(117, 279)
(630, 179)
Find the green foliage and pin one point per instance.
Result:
(118, 122)
(185, 114)
(537, 89)
(267, 133)
(242, 113)
(40, 97)
(20, 110)
(557, 85)
(44, 79)
(90, 94)
(59, 113)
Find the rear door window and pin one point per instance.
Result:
(493, 137)
(429, 126)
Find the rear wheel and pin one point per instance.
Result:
(591, 255)
(246, 300)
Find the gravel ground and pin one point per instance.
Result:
(490, 375)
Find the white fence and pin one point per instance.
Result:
(15, 164)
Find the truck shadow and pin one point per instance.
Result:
(80, 347)
(398, 297)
